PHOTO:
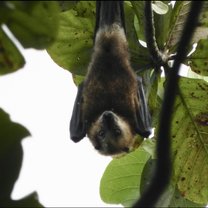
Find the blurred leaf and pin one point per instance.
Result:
(34, 23)
(28, 201)
(10, 132)
(73, 47)
(190, 140)
(11, 153)
(198, 61)
(10, 58)
(202, 28)
(162, 26)
(138, 7)
(4, 11)
(120, 182)
(159, 7)
(66, 5)
(10, 165)
(78, 79)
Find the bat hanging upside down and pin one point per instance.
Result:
(110, 107)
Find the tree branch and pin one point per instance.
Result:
(158, 58)
(162, 174)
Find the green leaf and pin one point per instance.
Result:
(73, 47)
(10, 132)
(10, 58)
(171, 197)
(178, 18)
(140, 58)
(190, 140)
(161, 22)
(66, 5)
(78, 79)
(138, 7)
(120, 183)
(198, 61)
(10, 165)
(34, 24)
(149, 146)
(162, 26)
(11, 153)
(179, 201)
(28, 201)
(147, 174)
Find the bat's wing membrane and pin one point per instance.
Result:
(77, 125)
(142, 112)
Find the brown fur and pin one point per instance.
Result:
(110, 85)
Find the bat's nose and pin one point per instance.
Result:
(108, 115)
(108, 119)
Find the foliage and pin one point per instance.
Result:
(72, 29)
(11, 155)
(35, 25)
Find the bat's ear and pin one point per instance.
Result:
(77, 125)
(143, 119)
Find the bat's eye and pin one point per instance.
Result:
(126, 149)
(117, 132)
(101, 133)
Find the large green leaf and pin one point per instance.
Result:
(120, 183)
(198, 61)
(73, 47)
(34, 23)
(10, 57)
(190, 140)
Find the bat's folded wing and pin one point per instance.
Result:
(77, 125)
(142, 112)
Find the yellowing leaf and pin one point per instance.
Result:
(198, 61)
(190, 140)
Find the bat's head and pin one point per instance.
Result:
(111, 135)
